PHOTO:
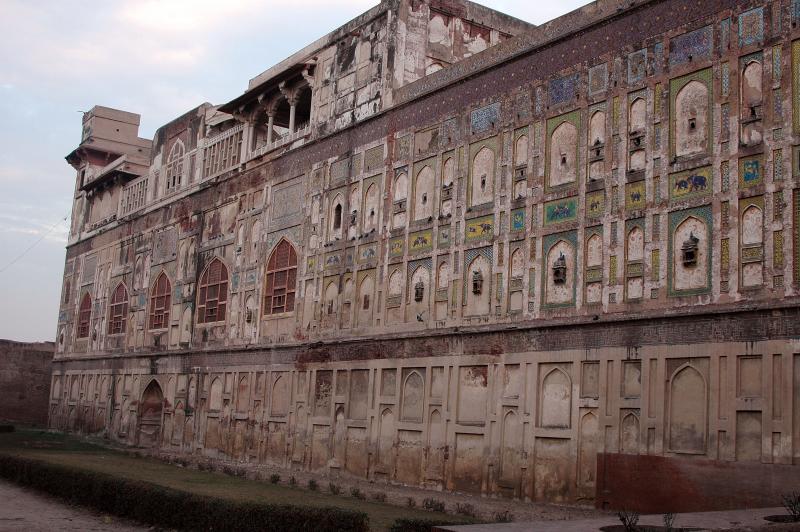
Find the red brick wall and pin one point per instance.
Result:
(25, 381)
(656, 484)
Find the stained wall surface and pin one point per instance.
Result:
(581, 239)
(25, 375)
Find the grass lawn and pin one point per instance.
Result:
(72, 451)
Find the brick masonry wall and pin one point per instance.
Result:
(25, 380)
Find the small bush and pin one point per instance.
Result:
(293, 481)
(465, 509)
(169, 508)
(333, 488)
(503, 517)
(792, 504)
(669, 521)
(312, 485)
(379, 496)
(411, 502)
(629, 520)
(357, 494)
(417, 525)
(274, 478)
(434, 505)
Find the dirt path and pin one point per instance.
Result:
(24, 510)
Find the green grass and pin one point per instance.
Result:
(71, 451)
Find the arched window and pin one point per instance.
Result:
(84, 316)
(337, 216)
(281, 279)
(212, 295)
(175, 166)
(118, 310)
(160, 297)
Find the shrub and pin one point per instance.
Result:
(357, 493)
(274, 478)
(169, 508)
(792, 504)
(312, 485)
(629, 520)
(503, 517)
(434, 505)
(379, 496)
(417, 525)
(411, 502)
(333, 488)
(465, 509)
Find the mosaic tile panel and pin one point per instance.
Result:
(615, 114)
(598, 78)
(635, 196)
(657, 102)
(777, 63)
(421, 241)
(777, 18)
(777, 165)
(340, 169)
(656, 227)
(725, 214)
(564, 89)
(539, 101)
(485, 118)
(675, 219)
(637, 66)
(777, 249)
(658, 59)
(777, 206)
(403, 148)
(367, 253)
(443, 236)
(725, 35)
(397, 246)
(614, 233)
(725, 175)
(796, 86)
(333, 261)
(479, 228)
(751, 171)
(777, 105)
(655, 265)
(657, 189)
(725, 258)
(691, 183)
(693, 46)
(796, 234)
(725, 81)
(518, 220)
(560, 211)
(595, 204)
(373, 159)
(751, 27)
(725, 122)
(796, 11)
(657, 137)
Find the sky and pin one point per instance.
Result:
(157, 58)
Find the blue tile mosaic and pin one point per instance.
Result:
(751, 27)
(725, 35)
(563, 89)
(691, 46)
(637, 66)
(485, 118)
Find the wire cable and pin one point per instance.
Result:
(36, 243)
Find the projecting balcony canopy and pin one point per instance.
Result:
(122, 169)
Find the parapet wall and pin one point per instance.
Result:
(25, 380)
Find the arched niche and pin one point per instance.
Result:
(688, 276)
(478, 303)
(560, 292)
(483, 173)
(423, 194)
(279, 398)
(521, 151)
(635, 244)
(637, 118)
(691, 120)
(517, 263)
(556, 400)
(688, 399)
(371, 208)
(215, 395)
(563, 154)
(594, 251)
(413, 398)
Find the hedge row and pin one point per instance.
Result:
(169, 508)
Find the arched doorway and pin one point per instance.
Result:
(150, 408)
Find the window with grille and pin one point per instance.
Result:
(84, 316)
(160, 298)
(175, 166)
(212, 295)
(118, 310)
(281, 279)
